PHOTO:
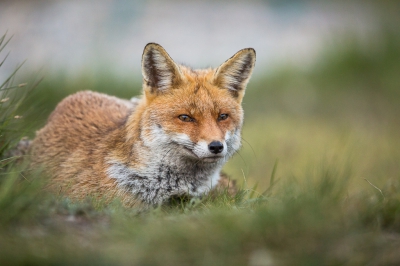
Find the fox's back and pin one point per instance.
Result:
(86, 113)
(84, 116)
(76, 131)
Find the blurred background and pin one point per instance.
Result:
(325, 93)
(76, 36)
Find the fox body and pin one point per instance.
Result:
(172, 141)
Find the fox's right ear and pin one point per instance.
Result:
(159, 71)
(235, 73)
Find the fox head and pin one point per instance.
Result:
(195, 113)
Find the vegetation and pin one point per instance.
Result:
(320, 174)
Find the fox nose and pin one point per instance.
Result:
(216, 147)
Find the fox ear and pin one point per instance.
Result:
(159, 71)
(235, 73)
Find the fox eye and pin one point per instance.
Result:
(186, 118)
(222, 117)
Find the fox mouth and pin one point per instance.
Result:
(211, 159)
(208, 159)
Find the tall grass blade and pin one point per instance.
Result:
(1, 41)
(11, 76)
(272, 181)
(378, 189)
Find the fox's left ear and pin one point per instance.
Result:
(159, 71)
(235, 73)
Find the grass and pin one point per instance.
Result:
(319, 170)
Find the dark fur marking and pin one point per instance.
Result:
(121, 122)
(149, 65)
(197, 88)
(242, 73)
(234, 93)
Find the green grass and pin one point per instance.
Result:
(319, 170)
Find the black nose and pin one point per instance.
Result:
(216, 147)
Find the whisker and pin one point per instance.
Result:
(166, 155)
(237, 152)
(254, 153)
(197, 162)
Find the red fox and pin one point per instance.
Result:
(174, 140)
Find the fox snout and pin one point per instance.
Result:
(216, 147)
(206, 150)
(202, 149)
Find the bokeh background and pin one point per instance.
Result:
(76, 36)
(320, 162)
(325, 92)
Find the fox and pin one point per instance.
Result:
(172, 140)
